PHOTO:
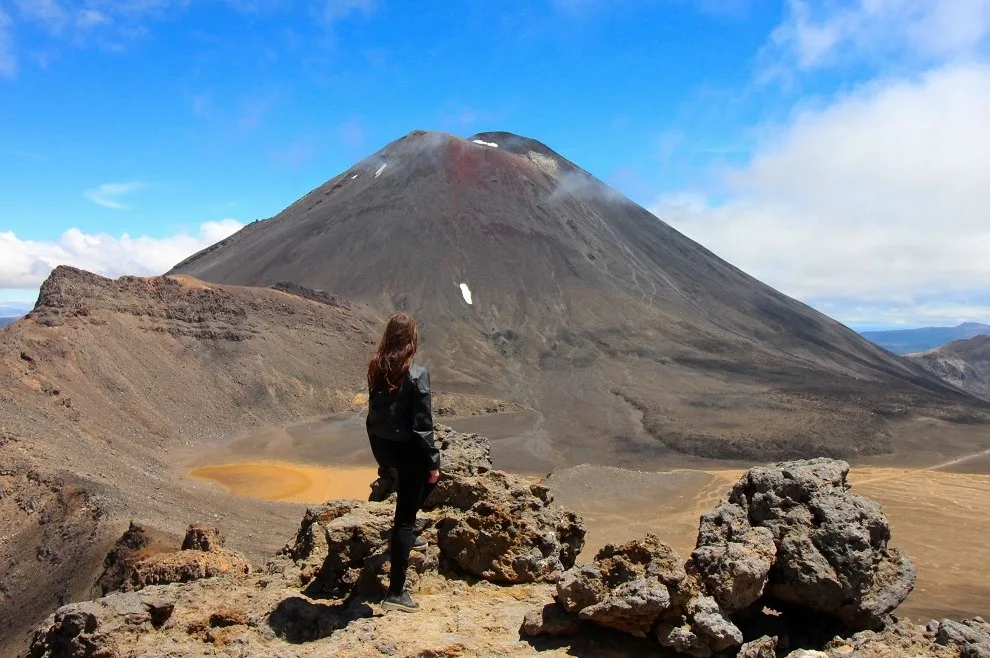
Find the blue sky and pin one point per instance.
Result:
(835, 149)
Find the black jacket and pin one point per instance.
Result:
(404, 415)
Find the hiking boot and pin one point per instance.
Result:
(382, 488)
(419, 544)
(402, 602)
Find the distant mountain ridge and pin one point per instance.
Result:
(908, 341)
(963, 363)
(4, 321)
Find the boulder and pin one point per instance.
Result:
(343, 549)
(202, 538)
(503, 529)
(765, 647)
(462, 454)
(551, 620)
(184, 567)
(141, 558)
(793, 531)
(970, 636)
(89, 629)
(642, 588)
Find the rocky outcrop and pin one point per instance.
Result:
(479, 522)
(132, 565)
(316, 596)
(503, 529)
(642, 588)
(970, 636)
(764, 647)
(793, 532)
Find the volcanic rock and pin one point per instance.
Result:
(202, 538)
(765, 647)
(551, 620)
(793, 531)
(504, 529)
(202, 556)
(641, 587)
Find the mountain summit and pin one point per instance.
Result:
(536, 282)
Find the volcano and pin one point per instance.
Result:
(537, 283)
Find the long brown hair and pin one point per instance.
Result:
(395, 353)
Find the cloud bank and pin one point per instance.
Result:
(26, 264)
(873, 208)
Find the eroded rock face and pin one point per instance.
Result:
(642, 588)
(970, 636)
(354, 550)
(504, 529)
(89, 629)
(139, 560)
(481, 522)
(793, 531)
(202, 538)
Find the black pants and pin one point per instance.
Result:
(413, 469)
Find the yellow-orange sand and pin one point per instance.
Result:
(290, 482)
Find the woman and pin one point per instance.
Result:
(400, 429)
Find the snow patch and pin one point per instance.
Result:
(466, 293)
(484, 143)
(380, 170)
(354, 176)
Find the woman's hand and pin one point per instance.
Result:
(434, 476)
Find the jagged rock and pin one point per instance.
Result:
(736, 571)
(185, 566)
(356, 547)
(765, 647)
(202, 538)
(143, 557)
(829, 546)
(485, 523)
(550, 620)
(136, 544)
(641, 587)
(463, 454)
(971, 636)
(626, 588)
(898, 639)
(504, 529)
(88, 629)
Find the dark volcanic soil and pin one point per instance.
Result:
(630, 339)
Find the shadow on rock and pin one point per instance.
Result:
(299, 620)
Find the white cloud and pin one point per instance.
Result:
(26, 263)
(819, 33)
(108, 195)
(877, 202)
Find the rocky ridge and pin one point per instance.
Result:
(789, 561)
